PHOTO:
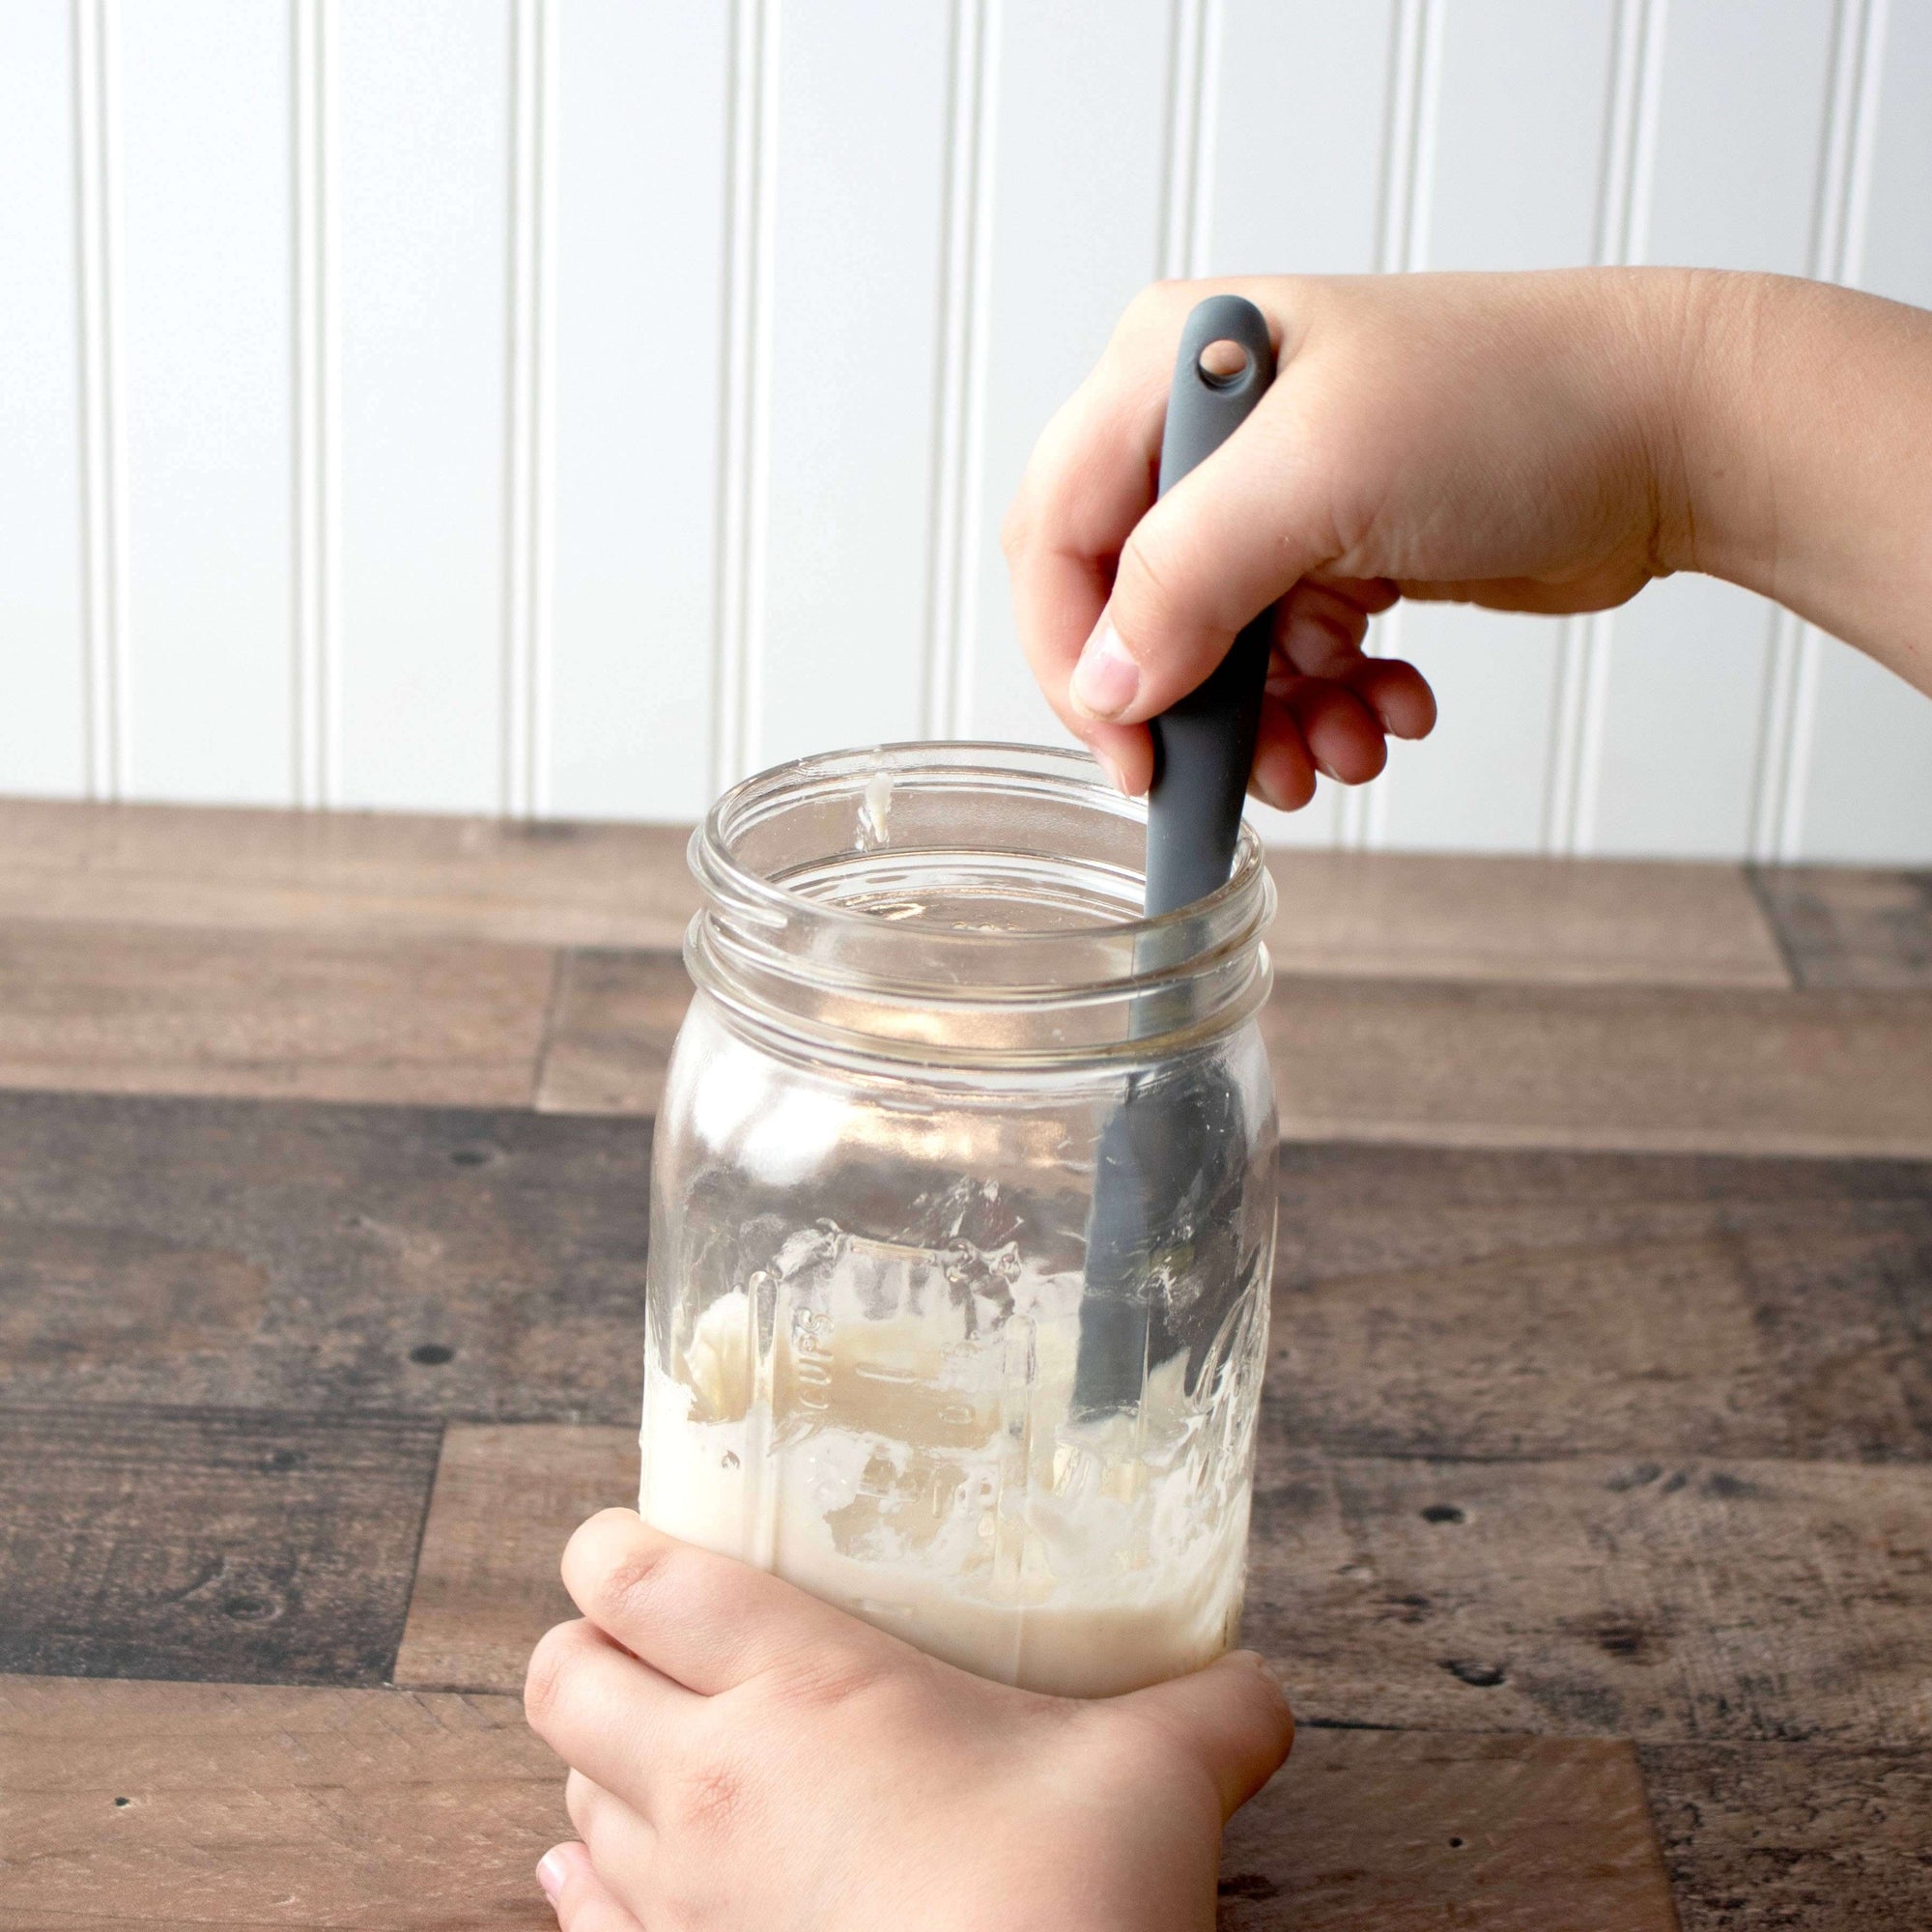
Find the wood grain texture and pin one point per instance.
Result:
(1475, 1303)
(1373, 1828)
(1658, 1600)
(1604, 921)
(563, 883)
(1841, 925)
(208, 1543)
(1677, 1070)
(1661, 1068)
(1448, 1302)
(506, 1502)
(251, 1808)
(610, 1032)
(1623, 1597)
(301, 1257)
(1762, 1837)
(152, 1010)
(255, 1807)
(356, 873)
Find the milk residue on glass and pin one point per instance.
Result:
(875, 808)
(924, 1468)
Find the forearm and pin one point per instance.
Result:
(1795, 456)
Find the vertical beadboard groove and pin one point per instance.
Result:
(85, 25)
(1207, 137)
(972, 474)
(316, 705)
(512, 669)
(1180, 176)
(1402, 240)
(752, 136)
(1850, 245)
(542, 655)
(955, 395)
(104, 460)
(303, 641)
(519, 413)
(757, 467)
(529, 426)
(1843, 189)
(1580, 707)
(329, 412)
(114, 365)
(740, 152)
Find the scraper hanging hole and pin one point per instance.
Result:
(1222, 364)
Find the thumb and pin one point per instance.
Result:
(1224, 542)
(1232, 1718)
(582, 1901)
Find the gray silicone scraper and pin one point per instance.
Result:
(1163, 1158)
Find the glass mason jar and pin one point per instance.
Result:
(963, 1214)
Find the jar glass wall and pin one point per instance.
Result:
(962, 1215)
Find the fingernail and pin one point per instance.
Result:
(1106, 679)
(1327, 770)
(551, 1874)
(1115, 774)
(1267, 1670)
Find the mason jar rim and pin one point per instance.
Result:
(1096, 983)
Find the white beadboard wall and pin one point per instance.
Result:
(565, 405)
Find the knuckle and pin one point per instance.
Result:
(822, 1683)
(635, 1583)
(711, 1795)
(1147, 579)
(549, 1669)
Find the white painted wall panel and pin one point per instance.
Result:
(1869, 795)
(1734, 182)
(861, 201)
(42, 689)
(506, 432)
(1514, 130)
(1740, 119)
(639, 258)
(208, 334)
(1683, 695)
(424, 162)
(1295, 136)
(1510, 153)
(1078, 169)
(1896, 239)
(1866, 782)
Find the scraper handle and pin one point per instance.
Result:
(1204, 745)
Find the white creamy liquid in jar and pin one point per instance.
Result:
(940, 1486)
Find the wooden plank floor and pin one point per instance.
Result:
(238, 1545)
(202, 1804)
(1556, 921)
(155, 1010)
(353, 874)
(187, 1805)
(1593, 1518)
(1841, 926)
